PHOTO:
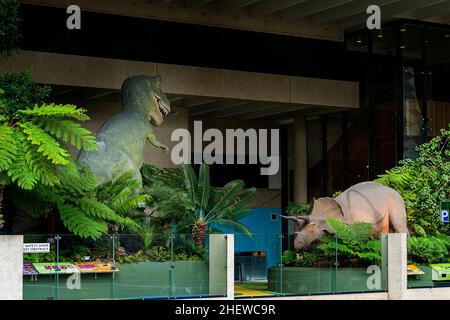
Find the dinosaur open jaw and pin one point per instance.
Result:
(162, 109)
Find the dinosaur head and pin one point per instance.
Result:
(143, 94)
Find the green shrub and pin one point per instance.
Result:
(353, 241)
(301, 259)
(424, 183)
(429, 249)
(9, 26)
(298, 209)
(21, 92)
(156, 254)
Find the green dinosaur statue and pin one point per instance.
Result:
(121, 140)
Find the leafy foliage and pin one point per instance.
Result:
(33, 134)
(351, 241)
(21, 92)
(300, 259)
(87, 210)
(298, 209)
(429, 249)
(424, 183)
(182, 199)
(9, 26)
(33, 138)
(156, 254)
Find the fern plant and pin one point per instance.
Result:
(85, 209)
(429, 249)
(34, 137)
(33, 142)
(424, 183)
(352, 241)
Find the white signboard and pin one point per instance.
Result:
(36, 247)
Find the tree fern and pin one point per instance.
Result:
(354, 241)
(21, 173)
(55, 111)
(7, 146)
(48, 146)
(81, 224)
(69, 131)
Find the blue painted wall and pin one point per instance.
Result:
(266, 234)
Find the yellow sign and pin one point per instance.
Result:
(96, 267)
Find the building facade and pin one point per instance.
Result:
(349, 102)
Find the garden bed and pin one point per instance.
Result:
(133, 281)
(314, 280)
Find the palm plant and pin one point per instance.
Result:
(189, 202)
(34, 138)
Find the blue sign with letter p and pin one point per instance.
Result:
(444, 215)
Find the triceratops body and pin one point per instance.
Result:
(369, 202)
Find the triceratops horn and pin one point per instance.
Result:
(297, 218)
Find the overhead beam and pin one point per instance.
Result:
(198, 101)
(348, 10)
(196, 3)
(62, 92)
(233, 5)
(407, 5)
(98, 95)
(266, 7)
(251, 107)
(217, 106)
(445, 19)
(437, 10)
(389, 12)
(271, 112)
(312, 7)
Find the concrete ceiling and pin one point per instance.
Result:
(199, 107)
(350, 14)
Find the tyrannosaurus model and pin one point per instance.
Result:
(121, 140)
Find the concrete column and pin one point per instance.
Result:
(221, 265)
(397, 266)
(300, 160)
(230, 266)
(11, 259)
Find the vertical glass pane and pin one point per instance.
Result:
(257, 264)
(383, 93)
(189, 275)
(307, 271)
(411, 49)
(143, 264)
(361, 261)
(438, 67)
(39, 262)
(86, 268)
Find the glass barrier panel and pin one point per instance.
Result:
(40, 254)
(307, 270)
(85, 268)
(191, 263)
(427, 261)
(143, 265)
(257, 258)
(361, 262)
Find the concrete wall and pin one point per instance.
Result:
(82, 71)
(11, 267)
